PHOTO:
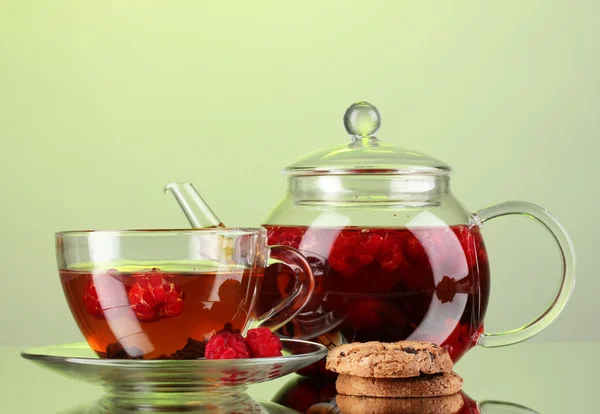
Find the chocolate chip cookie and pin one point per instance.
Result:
(402, 359)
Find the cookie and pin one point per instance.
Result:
(448, 404)
(435, 385)
(389, 360)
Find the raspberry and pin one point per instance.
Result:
(291, 236)
(390, 255)
(346, 256)
(297, 237)
(104, 291)
(263, 343)
(153, 296)
(413, 250)
(446, 289)
(91, 302)
(351, 252)
(368, 246)
(226, 345)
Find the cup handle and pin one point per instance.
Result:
(491, 340)
(287, 308)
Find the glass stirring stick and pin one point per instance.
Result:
(194, 207)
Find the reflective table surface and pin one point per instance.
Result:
(526, 378)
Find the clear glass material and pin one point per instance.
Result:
(366, 153)
(161, 294)
(175, 386)
(502, 407)
(240, 403)
(193, 205)
(398, 256)
(403, 258)
(568, 262)
(419, 282)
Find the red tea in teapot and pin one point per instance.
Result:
(391, 284)
(156, 314)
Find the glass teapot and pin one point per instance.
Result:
(396, 256)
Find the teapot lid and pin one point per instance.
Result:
(365, 154)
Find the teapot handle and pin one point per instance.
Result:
(491, 340)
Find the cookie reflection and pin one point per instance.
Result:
(449, 404)
(459, 403)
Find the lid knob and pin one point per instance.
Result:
(362, 119)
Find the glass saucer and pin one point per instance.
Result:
(186, 384)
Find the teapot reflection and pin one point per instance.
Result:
(318, 396)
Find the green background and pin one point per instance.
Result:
(102, 103)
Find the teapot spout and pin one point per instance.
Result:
(194, 207)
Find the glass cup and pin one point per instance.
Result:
(161, 294)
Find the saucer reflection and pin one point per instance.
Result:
(242, 403)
